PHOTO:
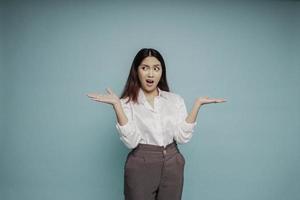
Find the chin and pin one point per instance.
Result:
(150, 89)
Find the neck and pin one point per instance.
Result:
(151, 94)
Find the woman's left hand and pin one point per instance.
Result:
(206, 100)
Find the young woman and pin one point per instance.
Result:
(151, 120)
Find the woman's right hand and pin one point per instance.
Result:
(110, 98)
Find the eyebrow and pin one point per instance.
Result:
(153, 65)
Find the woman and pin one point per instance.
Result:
(151, 120)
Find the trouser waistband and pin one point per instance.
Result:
(147, 149)
(152, 147)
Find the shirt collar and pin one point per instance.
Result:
(142, 97)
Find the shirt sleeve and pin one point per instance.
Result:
(184, 130)
(128, 132)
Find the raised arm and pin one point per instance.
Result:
(191, 118)
(121, 116)
(187, 121)
(125, 124)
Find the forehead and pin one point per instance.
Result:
(150, 60)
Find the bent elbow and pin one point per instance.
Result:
(131, 142)
(183, 137)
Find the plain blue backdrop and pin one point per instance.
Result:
(57, 144)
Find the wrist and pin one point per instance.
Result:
(117, 104)
(198, 105)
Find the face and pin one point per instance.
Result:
(149, 73)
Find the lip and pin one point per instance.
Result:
(150, 84)
(150, 80)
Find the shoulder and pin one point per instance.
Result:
(125, 102)
(173, 97)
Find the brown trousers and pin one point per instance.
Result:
(154, 173)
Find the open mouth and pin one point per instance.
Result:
(149, 82)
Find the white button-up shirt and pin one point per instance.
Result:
(157, 125)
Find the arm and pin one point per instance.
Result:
(125, 124)
(192, 116)
(186, 122)
(121, 116)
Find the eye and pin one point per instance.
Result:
(144, 68)
(157, 68)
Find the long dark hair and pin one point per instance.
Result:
(133, 83)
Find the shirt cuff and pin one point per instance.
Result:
(188, 127)
(124, 130)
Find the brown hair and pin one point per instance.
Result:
(133, 84)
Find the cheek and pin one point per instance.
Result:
(141, 75)
(159, 75)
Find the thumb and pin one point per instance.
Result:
(109, 90)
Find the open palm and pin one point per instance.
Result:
(109, 98)
(207, 100)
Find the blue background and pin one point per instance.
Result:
(56, 143)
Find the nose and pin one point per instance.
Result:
(150, 73)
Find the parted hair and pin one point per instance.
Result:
(133, 84)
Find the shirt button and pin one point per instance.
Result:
(165, 152)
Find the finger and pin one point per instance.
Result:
(98, 99)
(93, 98)
(90, 95)
(221, 100)
(98, 96)
(93, 95)
(109, 90)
